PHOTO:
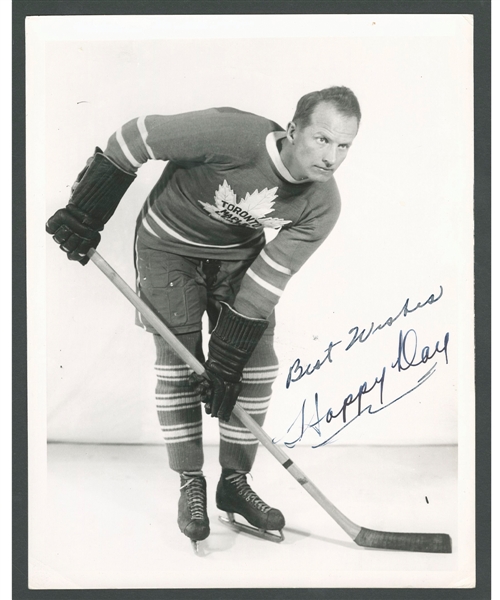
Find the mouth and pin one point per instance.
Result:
(323, 169)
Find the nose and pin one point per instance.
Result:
(330, 157)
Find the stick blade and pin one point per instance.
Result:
(410, 542)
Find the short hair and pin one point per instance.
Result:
(341, 97)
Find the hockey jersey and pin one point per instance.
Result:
(223, 184)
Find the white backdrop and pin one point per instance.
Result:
(405, 231)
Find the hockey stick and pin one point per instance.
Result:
(411, 542)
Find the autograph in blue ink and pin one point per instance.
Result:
(297, 370)
(408, 357)
(363, 335)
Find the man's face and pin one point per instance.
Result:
(319, 148)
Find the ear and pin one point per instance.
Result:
(291, 131)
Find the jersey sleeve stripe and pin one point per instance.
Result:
(262, 269)
(267, 286)
(115, 153)
(125, 149)
(274, 264)
(141, 125)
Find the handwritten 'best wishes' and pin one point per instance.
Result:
(409, 356)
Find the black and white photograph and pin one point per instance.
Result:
(250, 301)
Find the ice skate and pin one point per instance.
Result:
(192, 518)
(234, 495)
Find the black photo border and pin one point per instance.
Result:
(481, 11)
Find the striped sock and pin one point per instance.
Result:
(178, 408)
(238, 446)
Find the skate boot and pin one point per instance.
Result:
(192, 517)
(234, 495)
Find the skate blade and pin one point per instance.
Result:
(260, 533)
(198, 548)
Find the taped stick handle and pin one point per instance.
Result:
(347, 525)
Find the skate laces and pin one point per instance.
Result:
(195, 493)
(239, 481)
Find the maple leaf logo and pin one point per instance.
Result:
(259, 204)
(251, 211)
(223, 196)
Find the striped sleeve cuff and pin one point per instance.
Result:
(262, 287)
(128, 147)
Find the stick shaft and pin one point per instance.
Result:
(414, 542)
(148, 313)
(347, 525)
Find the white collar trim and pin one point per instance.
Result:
(272, 149)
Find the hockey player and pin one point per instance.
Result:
(200, 246)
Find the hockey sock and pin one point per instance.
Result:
(238, 446)
(178, 407)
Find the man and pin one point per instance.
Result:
(200, 246)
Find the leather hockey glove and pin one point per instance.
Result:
(231, 344)
(96, 195)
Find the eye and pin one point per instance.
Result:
(322, 140)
